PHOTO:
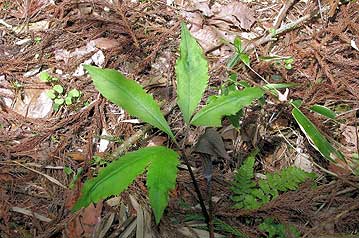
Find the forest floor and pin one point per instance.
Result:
(48, 150)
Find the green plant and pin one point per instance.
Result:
(159, 162)
(37, 39)
(251, 195)
(46, 77)
(98, 161)
(220, 225)
(56, 93)
(316, 139)
(278, 230)
(239, 55)
(75, 175)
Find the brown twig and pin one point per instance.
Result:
(289, 26)
(282, 13)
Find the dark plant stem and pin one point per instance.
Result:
(185, 157)
(198, 191)
(356, 119)
(210, 209)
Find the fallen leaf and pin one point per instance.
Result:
(350, 136)
(106, 43)
(236, 13)
(202, 5)
(157, 141)
(84, 224)
(207, 37)
(34, 104)
(302, 161)
(211, 143)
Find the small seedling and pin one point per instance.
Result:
(72, 94)
(75, 176)
(277, 230)
(37, 39)
(46, 77)
(239, 55)
(283, 61)
(98, 161)
(288, 63)
(17, 85)
(57, 91)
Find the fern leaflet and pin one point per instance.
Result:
(251, 195)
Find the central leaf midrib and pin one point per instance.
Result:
(129, 95)
(214, 107)
(189, 76)
(115, 171)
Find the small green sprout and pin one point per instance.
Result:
(37, 39)
(239, 55)
(56, 93)
(272, 31)
(45, 76)
(75, 176)
(51, 94)
(58, 88)
(288, 63)
(73, 93)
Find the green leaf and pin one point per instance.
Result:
(234, 60)
(161, 164)
(44, 76)
(322, 110)
(227, 105)
(279, 85)
(51, 94)
(58, 88)
(74, 93)
(68, 100)
(191, 73)
(59, 101)
(245, 58)
(161, 178)
(129, 95)
(68, 170)
(238, 44)
(318, 141)
(297, 103)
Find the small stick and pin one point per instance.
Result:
(51, 179)
(270, 36)
(283, 11)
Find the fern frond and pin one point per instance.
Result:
(250, 195)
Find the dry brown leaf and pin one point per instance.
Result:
(84, 225)
(237, 14)
(350, 136)
(106, 43)
(157, 141)
(34, 104)
(202, 5)
(340, 168)
(207, 38)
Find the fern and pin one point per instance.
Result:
(251, 195)
(221, 226)
(277, 230)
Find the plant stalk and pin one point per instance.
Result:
(198, 191)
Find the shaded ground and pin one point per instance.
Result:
(141, 40)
